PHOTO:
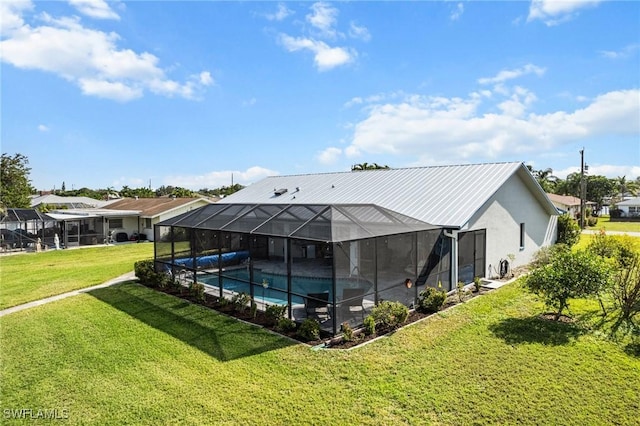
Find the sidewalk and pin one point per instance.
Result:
(125, 277)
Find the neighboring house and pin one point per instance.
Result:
(345, 241)
(149, 212)
(60, 202)
(569, 204)
(630, 207)
(120, 220)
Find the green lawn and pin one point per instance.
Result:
(129, 355)
(32, 276)
(605, 223)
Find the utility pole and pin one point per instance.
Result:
(583, 188)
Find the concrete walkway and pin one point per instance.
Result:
(125, 277)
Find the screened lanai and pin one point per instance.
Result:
(328, 262)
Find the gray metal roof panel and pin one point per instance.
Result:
(441, 195)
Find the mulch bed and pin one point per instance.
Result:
(326, 341)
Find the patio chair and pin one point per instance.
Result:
(353, 302)
(317, 305)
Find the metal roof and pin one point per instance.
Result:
(446, 196)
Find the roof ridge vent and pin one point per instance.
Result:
(279, 192)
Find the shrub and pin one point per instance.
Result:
(615, 213)
(620, 248)
(197, 291)
(477, 283)
(461, 291)
(390, 314)
(347, 331)
(568, 275)
(147, 275)
(431, 300)
(285, 325)
(625, 290)
(240, 301)
(309, 329)
(592, 221)
(254, 308)
(543, 256)
(369, 325)
(274, 313)
(568, 230)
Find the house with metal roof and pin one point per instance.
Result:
(333, 245)
(630, 208)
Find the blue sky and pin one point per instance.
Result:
(105, 94)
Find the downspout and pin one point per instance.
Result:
(453, 234)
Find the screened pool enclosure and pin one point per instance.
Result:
(332, 263)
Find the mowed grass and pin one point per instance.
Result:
(129, 355)
(31, 276)
(605, 223)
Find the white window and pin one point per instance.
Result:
(115, 223)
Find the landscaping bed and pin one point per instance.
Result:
(325, 341)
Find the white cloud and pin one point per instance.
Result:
(359, 32)
(457, 12)
(98, 9)
(11, 15)
(506, 75)
(90, 59)
(281, 14)
(329, 156)
(323, 18)
(216, 179)
(625, 52)
(323, 22)
(554, 12)
(43, 128)
(453, 128)
(325, 56)
(608, 170)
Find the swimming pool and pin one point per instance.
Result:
(237, 280)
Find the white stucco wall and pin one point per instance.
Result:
(502, 215)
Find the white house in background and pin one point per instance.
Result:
(630, 208)
(149, 211)
(124, 219)
(569, 204)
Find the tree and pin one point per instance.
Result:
(568, 230)
(545, 178)
(15, 186)
(570, 274)
(367, 166)
(599, 188)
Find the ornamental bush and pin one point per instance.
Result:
(568, 230)
(431, 300)
(147, 275)
(309, 329)
(390, 314)
(274, 313)
(569, 275)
